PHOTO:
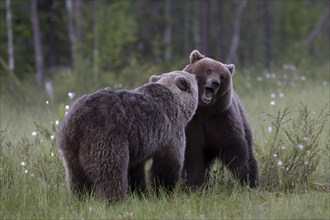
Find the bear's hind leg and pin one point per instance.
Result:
(76, 178)
(107, 167)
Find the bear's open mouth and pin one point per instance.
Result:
(208, 95)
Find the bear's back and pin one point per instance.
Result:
(136, 116)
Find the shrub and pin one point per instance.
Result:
(293, 150)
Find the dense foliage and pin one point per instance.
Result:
(111, 36)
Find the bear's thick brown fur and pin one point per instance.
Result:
(219, 128)
(107, 136)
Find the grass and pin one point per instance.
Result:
(32, 183)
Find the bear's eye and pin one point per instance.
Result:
(222, 77)
(208, 71)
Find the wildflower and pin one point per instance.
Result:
(283, 147)
(23, 164)
(305, 138)
(303, 78)
(270, 129)
(281, 95)
(71, 95)
(289, 67)
(272, 102)
(34, 133)
(300, 146)
(273, 95)
(52, 154)
(306, 162)
(67, 107)
(279, 163)
(267, 75)
(52, 137)
(47, 102)
(32, 174)
(259, 78)
(26, 171)
(118, 86)
(275, 155)
(57, 122)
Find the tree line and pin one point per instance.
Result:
(41, 37)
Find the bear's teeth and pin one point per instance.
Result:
(207, 95)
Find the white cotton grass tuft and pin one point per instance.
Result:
(272, 103)
(67, 107)
(71, 95)
(300, 146)
(23, 164)
(279, 163)
(34, 133)
(269, 129)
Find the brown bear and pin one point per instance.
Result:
(107, 136)
(219, 129)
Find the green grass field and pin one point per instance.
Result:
(288, 111)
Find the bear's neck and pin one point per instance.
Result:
(163, 97)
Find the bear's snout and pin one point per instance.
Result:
(215, 84)
(209, 91)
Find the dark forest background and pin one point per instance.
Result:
(85, 44)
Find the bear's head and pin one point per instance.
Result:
(184, 87)
(214, 78)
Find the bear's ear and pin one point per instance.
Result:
(195, 55)
(231, 68)
(182, 83)
(154, 78)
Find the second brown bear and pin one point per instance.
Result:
(219, 128)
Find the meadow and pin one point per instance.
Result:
(288, 110)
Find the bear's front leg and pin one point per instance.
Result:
(253, 172)
(195, 164)
(236, 158)
(136, 178)
(166, 168)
